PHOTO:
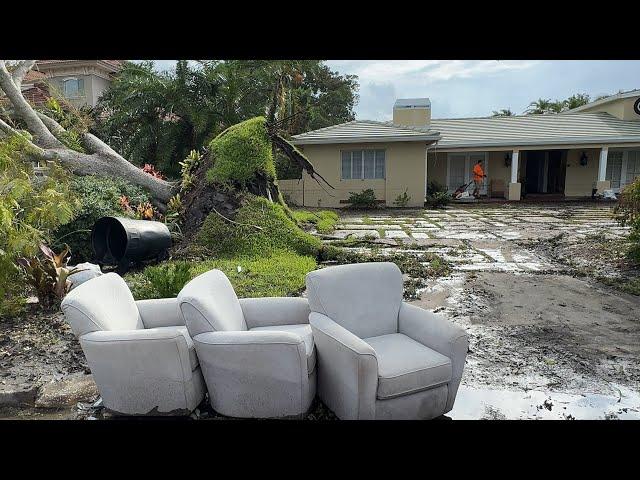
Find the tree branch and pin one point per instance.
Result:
(43, 136)
(294, 154)
(101, 159)
(21, 70)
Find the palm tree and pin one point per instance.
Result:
(577, 100)
(540, 106)
(505, 112)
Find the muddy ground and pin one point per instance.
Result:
(541, 290)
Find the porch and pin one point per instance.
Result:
(544, 173)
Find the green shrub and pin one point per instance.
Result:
(435, 187)
(278, 275)
(30, 209)
(276, 231)
(628, 214)
(438, 200)
(362, 200)
(324, 221)
(241, 152)
(167, 279)
(402, 200)
(99, 197)
(188, 168)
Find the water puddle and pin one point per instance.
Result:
(477, 403)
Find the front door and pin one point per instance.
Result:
(460, 170)
(457, 173)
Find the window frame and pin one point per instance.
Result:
(361, 175)
(79, 93)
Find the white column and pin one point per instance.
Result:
(602, 167)
(426, 162)
(514, 166)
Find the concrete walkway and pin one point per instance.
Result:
(544, 342)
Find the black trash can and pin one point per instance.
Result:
(120, 241)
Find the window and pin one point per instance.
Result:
(73, 87)
(614, 168)
(363, 164)
(633, 165)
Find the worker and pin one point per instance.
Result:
(478, 176)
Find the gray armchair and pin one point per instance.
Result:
(378, 357)
(257, 354)
(140, 353)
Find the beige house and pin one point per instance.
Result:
(81, 82)
(568, 155)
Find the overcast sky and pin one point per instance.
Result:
(461, 88)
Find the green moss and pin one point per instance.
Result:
(277, 232)
(241, 152)
(324, 221)
(279, 275)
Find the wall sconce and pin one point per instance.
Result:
(507, 159)
(583, 159)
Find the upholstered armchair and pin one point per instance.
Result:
(140, 353)
(257, 354)
(379, 357)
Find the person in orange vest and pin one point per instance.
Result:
(478, 176)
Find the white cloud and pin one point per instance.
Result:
(380, 71)
(463, 88)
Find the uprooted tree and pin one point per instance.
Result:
(238, 160)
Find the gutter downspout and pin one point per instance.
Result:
(426, 165)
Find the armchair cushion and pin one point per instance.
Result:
(209, 304)
(103, 303)
(406, 366)
(302, 330)
(160, 312)
(270, 311)
(364, 298)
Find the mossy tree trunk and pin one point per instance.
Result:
(239, 162)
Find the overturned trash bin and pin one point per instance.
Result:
(120, 241)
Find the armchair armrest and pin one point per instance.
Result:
(154, 352)
(137, 362)
(254, 373)
(160, 312)
(271, 311)
(348, 369)
(439, 334)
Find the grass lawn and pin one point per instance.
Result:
(278, 275)
(324, 220)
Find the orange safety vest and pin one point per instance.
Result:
(478, 173)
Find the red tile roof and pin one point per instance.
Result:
(33, 76)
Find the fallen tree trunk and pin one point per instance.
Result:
(100, 158)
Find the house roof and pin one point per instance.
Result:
(522, 130)
(110, 65)
(366, 131)
(33, 76)
(602, 101)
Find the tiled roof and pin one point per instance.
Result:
(114, 65)
(523, 130)
(33, 76)
(602, 101)
(366, 131)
